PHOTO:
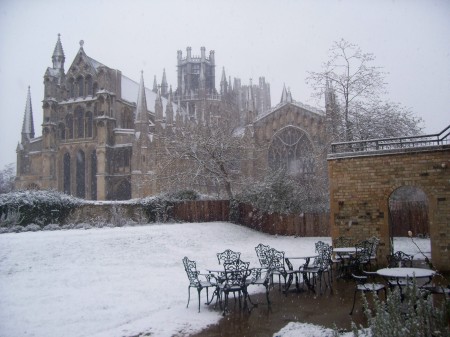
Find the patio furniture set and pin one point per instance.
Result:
(351, 262)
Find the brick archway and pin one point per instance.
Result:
(361, 184)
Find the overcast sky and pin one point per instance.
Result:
(280, 39)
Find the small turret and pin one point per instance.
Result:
(58, 57)
(28, 124)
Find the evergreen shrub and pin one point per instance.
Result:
(38, 207)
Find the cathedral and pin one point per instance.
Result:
(103, 132)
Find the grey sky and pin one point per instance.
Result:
(278, 39)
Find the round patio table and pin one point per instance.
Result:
(406, 272)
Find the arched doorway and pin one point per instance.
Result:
(408, 218)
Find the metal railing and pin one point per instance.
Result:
(389, 144)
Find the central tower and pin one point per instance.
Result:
(196, 77)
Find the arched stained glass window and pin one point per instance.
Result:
(66, 173)
(69, 125)
(80, 175)
(79, 115)
(88, 124)
(80, 84)
(292, 150)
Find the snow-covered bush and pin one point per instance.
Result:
(10, 217)
(32, 228)
(52, 227)
(413, 316)
(40, 207)
(281, 193)
(157, 208)
(183, 195)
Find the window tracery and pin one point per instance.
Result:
(292, 150)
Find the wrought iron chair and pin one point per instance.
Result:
(236, 274)
(374, 241)
(399, 259)
(228, 256)
(361, 259)
(261, 276)
(261, 252)
(277, 263)
(343, 241)
(322, 265)
(362, 285)
(194, 281)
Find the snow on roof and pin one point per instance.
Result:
(296, 103)
(95, 63)
(130, 90)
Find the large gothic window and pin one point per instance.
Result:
(71, 85)
(94, 175)
(88, 124)
(66, 173)
(69, 124)
(292, 150)
(79, 122)
(62, 131)
(88, 85)
(80, 84)
(80, 175)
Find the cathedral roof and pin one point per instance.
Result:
(130, 91)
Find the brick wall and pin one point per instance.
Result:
(360, 188)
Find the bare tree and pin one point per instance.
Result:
(7, 176)
(209, 157)
(355, 86)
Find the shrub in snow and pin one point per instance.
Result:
(183, 195)
(10, 216)
(15, 229)
(32, 228)
(157, 208)
(281, 193)
(414, 316)
(41, 207)
(52, 227)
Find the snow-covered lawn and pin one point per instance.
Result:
(120, 281)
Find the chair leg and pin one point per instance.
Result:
(354, 299)
(199, 290)
(189, 296)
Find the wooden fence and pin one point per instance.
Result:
(201, 210)
(307, 224)
(409, 216)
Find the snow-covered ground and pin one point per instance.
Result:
(124, 281)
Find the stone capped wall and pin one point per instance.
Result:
(360, 188)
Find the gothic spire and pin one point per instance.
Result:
(284, 95)
(28, 124)
(164, 85)
(141, 106)
(223, 83)
(158, 107)
(155, 85)
(169, 108)
(58, 57)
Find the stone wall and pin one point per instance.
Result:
(360, 188)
